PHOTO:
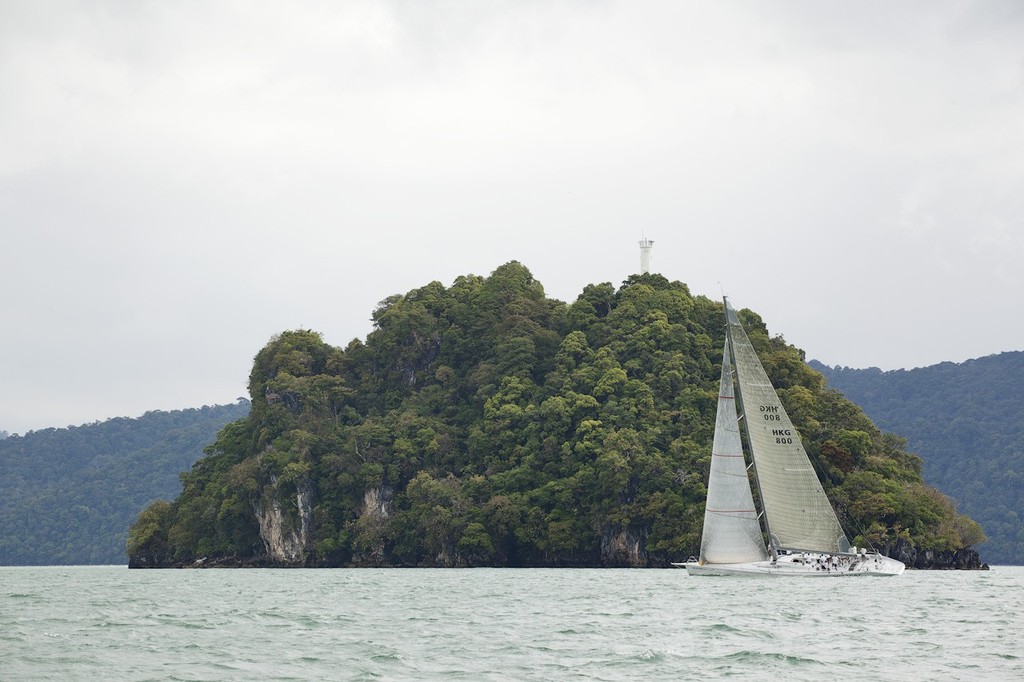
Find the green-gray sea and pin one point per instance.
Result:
(66, 623)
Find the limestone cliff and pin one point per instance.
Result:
(377, 508)
(285, 536)
(961, 559)
(623, 548)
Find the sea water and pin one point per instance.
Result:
(505, 624)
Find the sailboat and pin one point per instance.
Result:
(804, 537)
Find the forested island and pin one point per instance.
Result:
(68, 495)
(485, 424)
(967, 420)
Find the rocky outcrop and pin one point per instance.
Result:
(378, 506)
(378, 502)
(285, 536)
(149, 560)
(961, 559)
(623, 548)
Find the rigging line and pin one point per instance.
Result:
(858, 528)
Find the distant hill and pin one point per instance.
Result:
(68, 496)
(967, 422)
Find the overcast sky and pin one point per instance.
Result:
(179, 181)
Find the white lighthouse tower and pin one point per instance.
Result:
(645, 255)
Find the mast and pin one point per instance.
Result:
(730, 315)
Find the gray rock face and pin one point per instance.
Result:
(378, 506)
(378, 502)
(961, 559)
(285, 535)
(622, 548)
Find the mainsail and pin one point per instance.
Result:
(798, 513)
(732, 532)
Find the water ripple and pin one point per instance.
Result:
(492, 624)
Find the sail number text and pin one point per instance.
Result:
(771, 414)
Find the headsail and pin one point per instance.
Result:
(732, 532)
(798, 513)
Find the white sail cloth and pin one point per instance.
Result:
(798, 513)
(732, 532)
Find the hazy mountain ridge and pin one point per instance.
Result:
(68, 495)
(966, 420)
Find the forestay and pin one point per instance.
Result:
(798, 513)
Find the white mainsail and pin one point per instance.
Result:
(798, 513)
(732, 532)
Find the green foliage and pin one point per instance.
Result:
(967, 421)
(67, 496)
(485, 424)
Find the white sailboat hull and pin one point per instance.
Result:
(806, 565)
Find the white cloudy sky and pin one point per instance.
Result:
(181, 180)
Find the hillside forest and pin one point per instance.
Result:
(68, 495)
(486, 424)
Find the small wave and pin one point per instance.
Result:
(761, 657)
(614, 662)
(192, 625)
(720, 629)
(648, 657)
(385, 657)
(578, 631)
(114, 624)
